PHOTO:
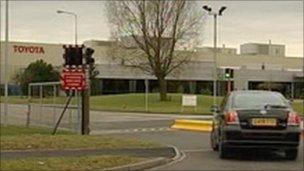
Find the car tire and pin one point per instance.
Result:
(214, 145)
(223, 151)
(291, 154)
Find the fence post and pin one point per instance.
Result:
(41, 96)
(70, 124)
(54, 107)
(28, 114)
(28, 117)
(78, 122)
(147, 95)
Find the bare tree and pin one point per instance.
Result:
(158, 29)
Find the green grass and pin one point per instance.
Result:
(24, 142)
(10, 130)
(136, 103)
(16, 138)
(298, 105)
(45, 100)
(68, 163)
(21, 138)
(132, 103)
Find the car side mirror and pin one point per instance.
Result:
(214, 109)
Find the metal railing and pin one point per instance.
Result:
(45, 103)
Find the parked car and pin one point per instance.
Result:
(255, 119)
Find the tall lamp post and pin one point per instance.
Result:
(75, 16)
(6, 54)
(214, 14)
(79, 102)
(85, 95)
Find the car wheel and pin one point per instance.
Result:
(213, 143)
(291, 154)
(223, 151)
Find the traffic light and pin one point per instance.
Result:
(228, 74)
(89, 60)
(89, 56)
(73, 55)
(231, 73)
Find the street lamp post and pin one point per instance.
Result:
(214, 14)
(79, 101)
(75, 16)
(6, 54)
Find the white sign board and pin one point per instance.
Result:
(189, 100)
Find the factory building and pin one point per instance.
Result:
(254, 65)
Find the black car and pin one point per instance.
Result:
(255, 119)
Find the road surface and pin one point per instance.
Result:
(194, 145)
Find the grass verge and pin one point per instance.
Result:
(26, 142)
(132, 103)
(35, 138)
(68, 163)
(10, 130)
(298, 105)
(136, 103)
(15, 138)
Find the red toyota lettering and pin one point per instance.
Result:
(28, 49)
(32, 49)
(41, 50)
(15, 48)
(20, 49)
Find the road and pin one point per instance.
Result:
(199, 155)
(194, 145)
(100, 122)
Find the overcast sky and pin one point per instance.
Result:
(242, 22)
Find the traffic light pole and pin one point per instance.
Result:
(215, 61)
(85, 102)
(85, 130)
(229, 86)
(228, 76)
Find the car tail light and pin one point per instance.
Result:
(293, 119)
(231, 118)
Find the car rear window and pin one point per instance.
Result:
(258, 100)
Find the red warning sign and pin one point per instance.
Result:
(73, 79)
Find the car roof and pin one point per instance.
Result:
(253, 92)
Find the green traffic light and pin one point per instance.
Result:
(227, 75)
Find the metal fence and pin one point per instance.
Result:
(45, 107)
(45, 102)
